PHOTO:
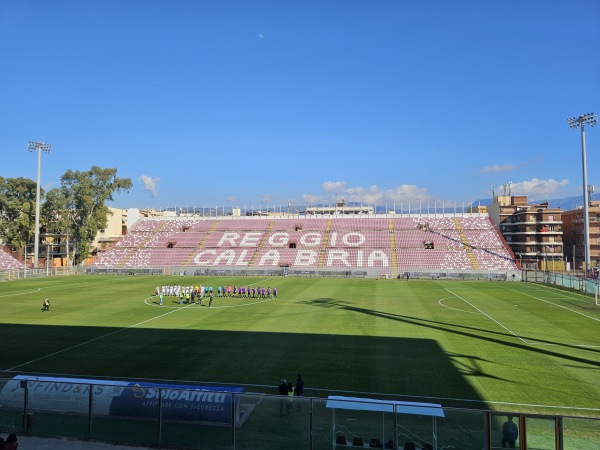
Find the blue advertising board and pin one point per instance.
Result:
(123, 398)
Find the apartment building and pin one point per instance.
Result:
(533, 231)
(573, 237)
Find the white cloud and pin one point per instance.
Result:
(498, 168)
(267, 198)
(536, 188)
(409, 193)
(363, 195)
(404, 193)
(150, 184)
(335, 186)
(311, 199)
(231, 199)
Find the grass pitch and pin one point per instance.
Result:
(487, 345)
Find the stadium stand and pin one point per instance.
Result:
(8, 261)
(390, 245)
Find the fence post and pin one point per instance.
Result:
(311, 424)
(90, 410)
(233, 394)
(25, 385)
(160, 412)
(558, 423)
(395, 438)
(487, 421)
(522, 431)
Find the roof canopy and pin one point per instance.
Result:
(391, 406)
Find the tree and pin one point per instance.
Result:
(57, 214)
(85, 194)
(17, 211)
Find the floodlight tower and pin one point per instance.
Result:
(39, 147)
(580, 122)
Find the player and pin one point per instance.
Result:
(46, 304)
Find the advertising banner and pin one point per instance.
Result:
(121, 398)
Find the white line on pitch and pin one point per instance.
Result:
(561, 306)
(96, 339)
(425, 397)
(563, 345)
(441, 302)
(489, 317)
(564, 307)
(30, 291)
(575, 296)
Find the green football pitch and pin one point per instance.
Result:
(505, 346)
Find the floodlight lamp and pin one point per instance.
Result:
(585, 119)
(33, 146)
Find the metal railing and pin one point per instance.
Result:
(171, 417)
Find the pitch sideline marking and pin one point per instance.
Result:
(570, 310)
(21, 293)
(95, 339)
(425, 397)
(550, 344)
(34, 290)
(576, 296)
(103, 336)
(564, 307)
(489, 317)
(523, 340)
(561, 306)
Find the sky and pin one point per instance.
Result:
(251, 102)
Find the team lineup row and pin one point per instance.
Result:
(190, 293)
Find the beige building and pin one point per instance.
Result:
(53, 246)
(115, 228)
(340, 207)
(533, 232)
(479, 209)
(573, 238)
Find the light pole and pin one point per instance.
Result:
(39, 147)
(580, 122)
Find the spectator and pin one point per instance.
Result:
(510, 433)
(283, 390)
(290, 393)
(11, 442)
(299, 386)
(299, 391)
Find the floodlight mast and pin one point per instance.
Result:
(580, 122)
(39, 147)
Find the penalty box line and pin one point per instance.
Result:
(489, 317)
(81, 344)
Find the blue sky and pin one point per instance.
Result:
(240, 103)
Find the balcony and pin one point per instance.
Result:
(549, 231)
